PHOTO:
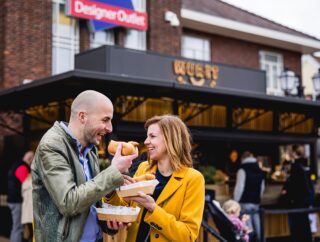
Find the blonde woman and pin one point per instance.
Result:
(174, 211)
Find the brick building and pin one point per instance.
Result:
(39, 41)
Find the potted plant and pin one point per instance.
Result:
(215, 179)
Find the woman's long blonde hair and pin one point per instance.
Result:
(177, 140)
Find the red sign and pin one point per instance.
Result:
(108, 13)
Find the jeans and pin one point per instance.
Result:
(254, 221)
(16, 230)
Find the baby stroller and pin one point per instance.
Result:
(227, 230)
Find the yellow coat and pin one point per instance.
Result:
(179, 210)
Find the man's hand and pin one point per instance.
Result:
(128, 180)
(114, 225)
(122, 163)
(144, 200)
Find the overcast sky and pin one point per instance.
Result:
(301, 15)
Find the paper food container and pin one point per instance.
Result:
(146, 187)
(118, 213)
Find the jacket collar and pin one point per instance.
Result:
(249, 160)
(173, 184)
(74, 143)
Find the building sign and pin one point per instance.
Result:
(104, 14)
(196, 73)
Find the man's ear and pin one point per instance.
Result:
(82, 116)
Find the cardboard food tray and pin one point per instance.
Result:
(147, 189)
(116, 217)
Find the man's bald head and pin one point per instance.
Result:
(91, 117)
(87, 101)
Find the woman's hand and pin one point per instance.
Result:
(114, 225)
(144, 200)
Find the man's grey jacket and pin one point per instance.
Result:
(61, 196)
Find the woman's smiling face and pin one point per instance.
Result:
(155, 143)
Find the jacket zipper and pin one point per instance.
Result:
(65, 229)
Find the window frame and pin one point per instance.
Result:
(272, 89)
(109, 38)
(206, 54)
(136, 39)
(62, 41)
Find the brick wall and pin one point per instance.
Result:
(84, 36)
(25, 46)
(162, 37)
(2, 14)
(292, 60)
(236, 52)
(27, 41)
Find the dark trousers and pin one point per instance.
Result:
(300, 227)
(27, 232)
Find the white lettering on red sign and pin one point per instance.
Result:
(108, 13)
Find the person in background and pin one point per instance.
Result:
(232, 209)
(232, 165)
(261, 163)
(27, 209)
(174, 211)
(16, 176)
(67, 181)
(248, 190)
(287, 163)
(299, 193)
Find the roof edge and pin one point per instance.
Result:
(228, 27)
(235, 6)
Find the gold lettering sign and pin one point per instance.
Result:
(196, 73)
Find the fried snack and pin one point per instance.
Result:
(128, 148)
(118, 213)
(144, 177)
(133, 189)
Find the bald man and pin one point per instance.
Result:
(17, 175)
(67, 181)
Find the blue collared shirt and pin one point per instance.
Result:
(92, 231)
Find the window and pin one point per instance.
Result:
(65, 34)
(272, 63)
(195, 48)
(99, 38)
(136, 39)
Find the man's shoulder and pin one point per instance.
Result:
(54, 136)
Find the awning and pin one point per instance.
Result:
(69, 84)
(216, 100)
